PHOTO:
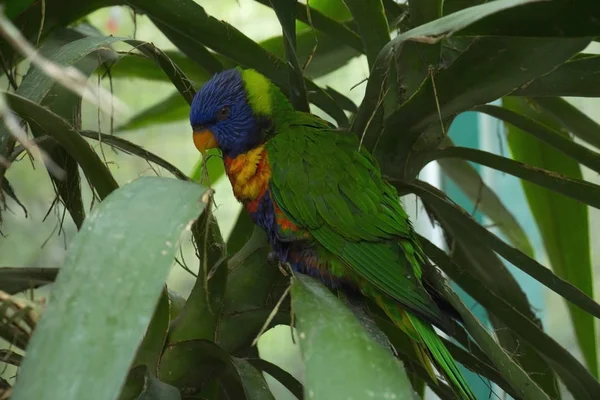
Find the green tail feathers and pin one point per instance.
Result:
(442, 358)
(428, 346)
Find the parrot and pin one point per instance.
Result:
(324, 204)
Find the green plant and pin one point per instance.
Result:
(447, 57)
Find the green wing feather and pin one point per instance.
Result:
(324, 183)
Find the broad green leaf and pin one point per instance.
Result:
(578, 77)
(341, 359)
(282, 376)
(177, 303)
(83, 335)
(325, 20)
(562, 222)
(490, 68)
(414, 61)
(170, 109)
(14, 7)
(446, 25)
(255, 386)
(14, 280)
(197, 53)
(370, 18)
(43, 120)
(149, 351)
(141, 384)
(285, 11)
(578, 380)
(241, 232)
(131, 148)
(546, 130)
(562, 18)
(452, 6)
(570, 118)
(253, 289)
(514, 256)
(522, 384)
(468, 180)
(190, 364)
(200, 315)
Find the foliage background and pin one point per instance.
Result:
(43, 246)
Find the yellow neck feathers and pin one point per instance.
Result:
(249, 173)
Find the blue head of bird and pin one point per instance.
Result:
(221, 116)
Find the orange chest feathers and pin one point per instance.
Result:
(249, 174)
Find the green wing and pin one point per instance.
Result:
(324, 183)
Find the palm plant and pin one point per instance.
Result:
(429, 61)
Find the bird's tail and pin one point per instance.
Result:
(429, 347)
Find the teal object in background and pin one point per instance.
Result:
(479, 131)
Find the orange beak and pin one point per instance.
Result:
(204, 140)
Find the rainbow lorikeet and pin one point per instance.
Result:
(323, 202)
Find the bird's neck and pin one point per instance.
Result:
(249, 174)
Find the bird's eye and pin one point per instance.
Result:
(223, 113)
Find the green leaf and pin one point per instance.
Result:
(324, 21)
(285, 10)
(154, 389)
(190, 364)
(341, 359)
(253, 289)
(577, 379)
(86, 337)
(514, 374)
(200, 315)
(442, 26)
(255, 386)
(86, 56)
(544, 129)
(241, 232)
(14, 7)
(487, 269)
(576, 189)
(562, 222)
(15, 280)
(131, 148)
(570, 118)
(489, 69)
(170, 109)
(372, 24)
(43, 120)
(514, 256)
(282, 376)
(561, 19)
(152, 345)
(141, 384)
(578, 77)
(487, 201)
